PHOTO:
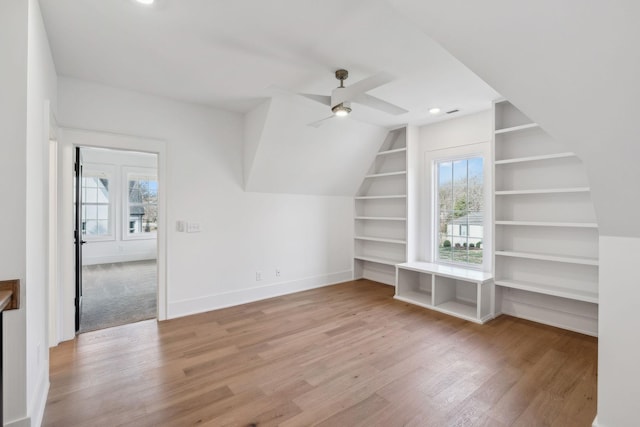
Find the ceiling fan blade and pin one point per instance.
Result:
(322, 99)
(319, 123)
(379, 104)
(339, 95)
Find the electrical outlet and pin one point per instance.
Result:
(180, 227)
(258, 276)
(277, 272)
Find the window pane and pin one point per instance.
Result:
(103, 212)
(103, 227)
(91, 227)
(460, 211)
(91, 195)
(143, 211)
(476, 200)
(92, 211)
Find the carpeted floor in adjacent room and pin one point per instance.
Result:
(118, 293)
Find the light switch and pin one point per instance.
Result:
(193, 227)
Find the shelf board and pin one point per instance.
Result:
(397, 150)
(381, 239)
(447, 271)
(534, 158)
(543, 191)
(557, 291)
(391, 196)
(549, 224)
(415, 297)
(549, 257)
(382, 218)
(386, 174)
(459, 309)
(377, 260)
(517, 128)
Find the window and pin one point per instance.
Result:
(460, 210)
(96, 218)
(142, 206)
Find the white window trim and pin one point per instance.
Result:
(93, 170)
(431, 158)
(138, 172)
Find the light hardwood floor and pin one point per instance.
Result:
(344, 355)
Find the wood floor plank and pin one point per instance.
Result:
(343, 355)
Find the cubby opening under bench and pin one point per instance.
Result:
(461, 292)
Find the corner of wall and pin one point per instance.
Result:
(254, 124)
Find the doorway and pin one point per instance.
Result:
(115, 231)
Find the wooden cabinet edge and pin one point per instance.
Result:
(10, 288)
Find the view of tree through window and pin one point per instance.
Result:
(95, 206)
(460, 210)
(143, 205)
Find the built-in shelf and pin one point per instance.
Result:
(381, 239)
(380, 213)
(548, 257)
(387, 152)
(517, 128)
(461, 309)
(393, 196)
(377, 260)
(421, 298)
(448, 271)
(534, 158)
(386, 174)
(543, 191)
(557, 291)
(457, 291)
(381, 218)
(544, 216)
(549, 224)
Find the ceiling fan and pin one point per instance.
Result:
(342, 97)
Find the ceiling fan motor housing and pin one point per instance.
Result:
(342, 74)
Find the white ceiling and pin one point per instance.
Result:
(230, 54)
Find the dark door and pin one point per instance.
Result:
(77, 234)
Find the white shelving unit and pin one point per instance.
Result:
(546, 239)
(460, 292)
(380, 240)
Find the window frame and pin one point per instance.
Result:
(427, 201)
(436, 210)
(135, 173)
(96, 171)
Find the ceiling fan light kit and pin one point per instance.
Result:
(341, 110)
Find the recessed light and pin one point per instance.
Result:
(435, 110)
(146, 2)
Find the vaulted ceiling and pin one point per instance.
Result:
(238, 54)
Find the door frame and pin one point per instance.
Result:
(68, 139)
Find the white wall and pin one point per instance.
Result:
(118, 248)
(28, 84)
(307, 237)
(618, 345)
(13, 124)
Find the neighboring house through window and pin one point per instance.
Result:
(142, 206)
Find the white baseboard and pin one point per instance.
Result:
(572, 315)
(22, 422)
(243, 296)
(40, 400)
(109, 259)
